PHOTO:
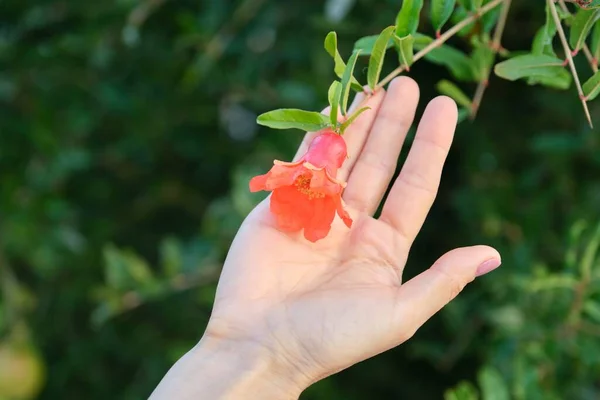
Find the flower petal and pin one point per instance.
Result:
(258, 183)
(283, 175)
(342, 212)
(290, 208)
(319, 225)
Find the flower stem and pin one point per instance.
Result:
(567, 49)
(495, 48)
(442, 39)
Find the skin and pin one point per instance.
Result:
(289, 312)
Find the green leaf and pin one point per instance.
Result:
(366, 44)
(459, 15)
(591, 88)
(476, 4)
(575, 233)
(422, 40)
(481, 60)
(339, 66)
(595, 43)
(335, 91)
(124, 269)
(490, 19)
(561, 81)
(170, 257)
(378, 56)
(463, 114)
(404, 46)
(346, 79)
(290, 118)
(589, 254)
(492, 385)
(407, 20)
(351, 119)
(552, 282)
(529, 65)
(463, 391)
(542, 43)
(441, 10)
(581, 25)
(457, 62)
(592, 310)
(450, 89)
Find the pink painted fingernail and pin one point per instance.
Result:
(488, 266)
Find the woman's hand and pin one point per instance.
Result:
(289, 312)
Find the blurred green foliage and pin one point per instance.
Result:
(128, 136)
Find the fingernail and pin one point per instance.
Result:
(488, 266)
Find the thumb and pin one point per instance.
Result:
(424, 295)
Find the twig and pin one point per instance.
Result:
(495, 47)
(563, 39)
(588, 54)
(586, 49)
(442, 39)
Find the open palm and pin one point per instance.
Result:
(321, 307)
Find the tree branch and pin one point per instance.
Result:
(586, 49)
(568, 53)
(442, 39)
(495, 47)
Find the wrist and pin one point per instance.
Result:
(220, 369)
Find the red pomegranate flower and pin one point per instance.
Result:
(306, 193)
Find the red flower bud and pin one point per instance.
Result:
(306, 193)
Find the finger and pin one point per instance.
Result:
(421, 297)
(376, 164)
(310, 135)
(357, 133)
(415, 188)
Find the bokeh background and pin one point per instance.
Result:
(127, 139)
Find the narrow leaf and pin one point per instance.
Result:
(591, 88)
(339, 66)
(404, 46)
(450, 89)
(463, 391)
(407, 20)
(592, 309)
(492, 384)
(590, 254)
(346, 79)
(378, 56)
(528, 65)
(290, 118)
(581, 25)
(366, 44)
(542, 43)
(490, 19)
(481, 61)
(351, 119)
(561, 81)
(335, 91)
(595, 45)
(441, 10)
(459, 15)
